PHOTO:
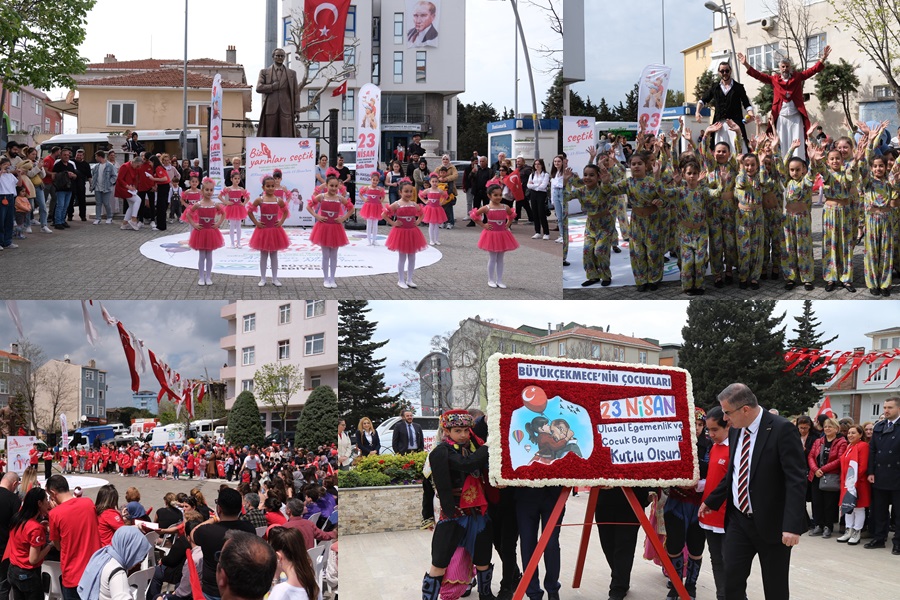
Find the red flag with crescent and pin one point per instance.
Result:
(130, 356)
(323, 29)
(159, 369)
(825, 409)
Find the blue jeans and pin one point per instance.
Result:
(205, 595)
(102, 201)
(63, 197)
(7, 218)
(41, 203)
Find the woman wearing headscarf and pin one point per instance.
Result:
(106, 575)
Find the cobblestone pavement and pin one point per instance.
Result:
(102, 261)
(768, 289)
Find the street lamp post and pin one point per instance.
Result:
(184, 124)
(534, 118)
(711, 5)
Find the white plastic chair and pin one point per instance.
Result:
(314, 518)
(150, 561)
(319, 557)
(261, 531)
(54, 570)
(141, 581)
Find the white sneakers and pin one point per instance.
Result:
(275, 282)
(497, 284)
(28, 229)
(492, 284)
(262, 282)
(402, 285)
(96, 221)
(109, 220)
(536, 236)
(546, 237)
(46, 229)
(559, 240)
(153, 226)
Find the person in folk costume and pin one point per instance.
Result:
(457, 465)
(600, 230)
(749, 186)
(876, 188)
(772, 206)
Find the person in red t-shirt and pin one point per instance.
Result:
(109, 518)
(48, 463)
(34, 455)
(74, 531)
(126, 189)
(49, 190)
(28, 546)
(714, 522)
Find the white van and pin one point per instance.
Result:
(168, 434)
(386, 431)
(166, 141)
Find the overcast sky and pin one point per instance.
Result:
(410, 331)
(185, 334)
(157, 31)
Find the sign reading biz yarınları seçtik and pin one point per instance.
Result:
(585, 423)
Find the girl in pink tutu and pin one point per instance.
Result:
(372, 207)
(269, 236)
(281, 192)
(496, 237)
(434, 213)
(328, 232)
(205, 217)
(190, 197)
(405, 238)
(235, 198)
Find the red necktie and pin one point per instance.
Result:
(744, 474)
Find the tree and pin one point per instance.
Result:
(60, 391)
(629, 110)
(213, 404)
(166, 414)
(800, 392)
(319, 419)
(835, 83)
(361, 375)
(554, 18)
(275, 384)
(127, 414)
(25, 383)
(244, 425)
(553, 105)
(729, 342)
(874, 26)
(604, 113)
(795, 26)
(704, 83)
(39, 43)
(763, 99)
(472, 120)
(674, 98)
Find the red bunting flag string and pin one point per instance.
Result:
(845, 363)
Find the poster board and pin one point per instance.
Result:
(589, 423)
(296, 159)
(17, 448)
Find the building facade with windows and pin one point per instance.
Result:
(78, 391)
(758, 34)
(145, 400)
(419, 80)
(14, 371)
(298, 332)
(27, 113)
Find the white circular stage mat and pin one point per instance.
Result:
(301, 259)
(81, 481)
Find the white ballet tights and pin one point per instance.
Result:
(329, 264)
(234, 231)
(273, 262)
(433, 233)
(495, 265)
(372, 230)
(406, 275)
(204, 265)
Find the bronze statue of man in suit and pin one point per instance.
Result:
(281, 98)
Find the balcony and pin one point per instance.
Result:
(226, 373)
(413, 118)
(229, 311)
(228, 342)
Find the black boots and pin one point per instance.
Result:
(484, 584)
(431, 587)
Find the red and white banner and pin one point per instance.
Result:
(130, 357)
(825, 409)
(810, 360)
(652, 97)
(578, 137)
(368, 140)
(324, 23)
(216, 160)
(296, 159)
(17, 449)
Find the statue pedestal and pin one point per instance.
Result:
(429, 146)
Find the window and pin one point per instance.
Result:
(642, 357)
(4, 365)
(348, 135)
(46, 124)
(89, 393)
(284, 350)
(398, 67)
(101, 412)
(398, 28)
(347, 106)
(619, 354)
(876, 410)
(512, 347)
(16, 100)
(4, 386)
(315, 381)
(315, 308)
(376, 69)
(719, 18)
(246, 385)
(101, 395)
(895, 342)
(88, 375)
(879, 376)
(313, 112)
(198, 115)
(815, 44)
(315, 343)
(89, 410)
(421, 64)
(58, 125)
(313, 70)
(284, 314)
(595, 350)
(764, 58)
(15, 125)
(883, 91)
(562, 349)
(448, 138)
(249, 322)
(350, 27)
(501, 346)
(248, 355)
(884, 343)
(101, 377)
(120, 113)
(286, 37)
(376, 29)
(543, 350)
(350, 56)
(38, 107)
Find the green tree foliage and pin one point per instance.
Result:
(835, 83)
(629, 110)
(704, 83)
(762, 101)
(674, 98)
(799, 392)
(39, 43)
(275, 384)
(472, 120)
(127, 414)
(244, 425)
(319, 419)
(734, 342)
(212, 406)
(360, 374)
(166, 414)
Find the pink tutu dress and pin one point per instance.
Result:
(434, 212)
(269, 238)
(329, 233)
(236, 211)
(208, 237)
(372, 208)
(190, 198)
(498, 238)
(405, 237)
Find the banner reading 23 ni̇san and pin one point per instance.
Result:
(578, 422)
(652, 97)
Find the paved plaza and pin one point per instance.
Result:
(102, 261)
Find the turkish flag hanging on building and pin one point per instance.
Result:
(323, 29)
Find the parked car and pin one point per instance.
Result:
(386, 431)
(280, 438)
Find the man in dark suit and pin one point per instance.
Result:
(728, 99)
(408, 436)
(765, 491)
(281, 98)
(884, 475)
